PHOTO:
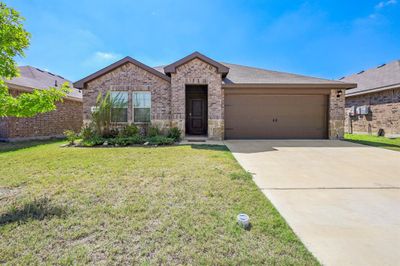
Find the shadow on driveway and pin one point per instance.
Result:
(254, 146)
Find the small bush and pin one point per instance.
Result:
(129, 131)
(175, 133)
(87, 132)
(71, 136)
(124, 141)
(93, 141)
(160, 140)
(153, 131)
(112, 133)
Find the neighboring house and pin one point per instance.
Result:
(68, 114)
(219, 100)
(374, 107)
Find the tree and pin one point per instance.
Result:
(14, 39)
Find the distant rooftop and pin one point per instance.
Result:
(35, 78)
(382, 77)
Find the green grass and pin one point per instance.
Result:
(381, 142)
(136, 205)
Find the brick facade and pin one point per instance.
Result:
(198, 72)
(167, 98)
(384, 113)
(130, 78)
(68, 115)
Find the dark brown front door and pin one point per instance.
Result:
(196, 116)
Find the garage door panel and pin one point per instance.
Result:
(275, 116)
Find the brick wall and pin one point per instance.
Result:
(68, 115)
(130, 78)
(3, 128)
(385, 113)
(198, 72)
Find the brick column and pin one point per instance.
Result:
(336, 114)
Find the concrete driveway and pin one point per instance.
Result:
(341, 199)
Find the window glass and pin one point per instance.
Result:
(119, 109)
(142, 99)
(141, 107)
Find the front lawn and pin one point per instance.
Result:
(136, 205)
(382, 142)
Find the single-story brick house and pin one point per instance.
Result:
(68, 114)
(221, 101)
(374, 106)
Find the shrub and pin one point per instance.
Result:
(102, 114)
(71, 136)
(153, 131)
(129, 131)
(93, 141)
(160, 140)
(111, 133)
(175, 133)
(124, 141)
(87, 132)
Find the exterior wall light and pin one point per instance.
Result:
(339, 93)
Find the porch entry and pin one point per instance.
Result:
(196, 110)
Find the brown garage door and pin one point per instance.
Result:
(264, 116)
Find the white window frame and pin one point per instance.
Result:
(127, 108)
(133, 106)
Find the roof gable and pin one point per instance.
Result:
(220, 67)
(80, 83)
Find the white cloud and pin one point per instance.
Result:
(100, 59)
(104, 56)
(385, 4)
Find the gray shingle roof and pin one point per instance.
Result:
(380, 78)
(239, 74)
(34, 78)
(251, 75)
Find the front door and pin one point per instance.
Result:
(196, 112)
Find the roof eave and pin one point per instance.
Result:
(81, 83)
(390, 87)
(30, 89)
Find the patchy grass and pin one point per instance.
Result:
(142, 205)
(381, 142)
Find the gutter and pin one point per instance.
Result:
(384, 88)
(292, 85)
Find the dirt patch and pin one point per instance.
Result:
(8, 192)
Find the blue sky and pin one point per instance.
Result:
(320, 38)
